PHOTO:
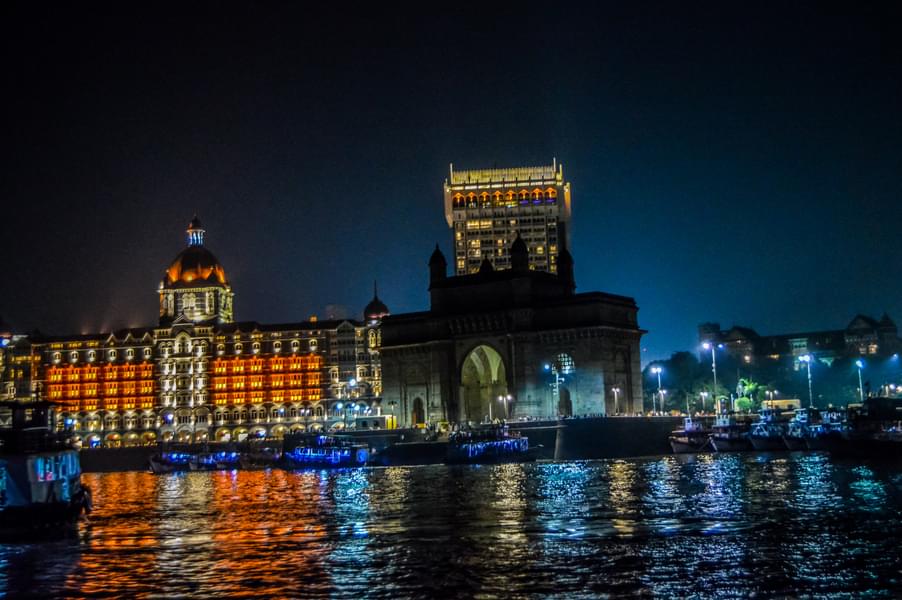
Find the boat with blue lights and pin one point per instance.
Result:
(488, 445)
(767, 432)
(833, 423)
(40, 472)
(170, 461)
(693, 437)
(728, 435)
(799, 429)
(325, 451)
(215, 461)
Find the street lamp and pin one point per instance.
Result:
(770, 397)
(657, 371)
(712, 348)
(806, 358)
(616, 391)
(505, 400)
(860, 364)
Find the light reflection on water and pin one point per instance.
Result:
(708, 525)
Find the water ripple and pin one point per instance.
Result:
(704, 526)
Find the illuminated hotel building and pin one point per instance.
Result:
(488, 208)
(198, 375)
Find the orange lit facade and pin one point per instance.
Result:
(102, 386)
(199, 375)
(487, 208)
(274, 379)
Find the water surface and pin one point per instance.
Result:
(712, 525)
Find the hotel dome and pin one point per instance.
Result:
(195, 265)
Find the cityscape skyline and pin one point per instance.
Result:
(716, 208)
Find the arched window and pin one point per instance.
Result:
(277, 347)
(313, 344)
(238, 348)
(471, 200)
(524, 197)
(73, 356)
(483, 200)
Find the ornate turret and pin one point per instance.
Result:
(376, 309)
(565, 270)
(438, 266)
(519, 255)
(195, 283)
(195, 232)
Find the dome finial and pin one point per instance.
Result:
(195, 232)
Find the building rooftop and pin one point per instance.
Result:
(552, 173)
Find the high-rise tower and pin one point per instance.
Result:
(487, 208)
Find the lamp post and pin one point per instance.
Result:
(704, 396)
(770, 397)
(806, 358)
(505, 400)
(657, 371)
(616, 391)
(556, 386)
(860, 364)
(712, 348)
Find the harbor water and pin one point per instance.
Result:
(781, 524)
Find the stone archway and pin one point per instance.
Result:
(483, 379)
(564, 403)
(418, 414)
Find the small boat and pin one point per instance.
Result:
(325, 451)
(264, 458)
(767, 432)
(488, 445)
(170, 462)
(40, 474)
(799, 429)
(214, 461)
(874, 431)
(833, 423)
(693, 437)
(729, 436)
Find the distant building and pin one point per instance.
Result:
(199, 375)
(487, 208)
(863, 336)
(509, 343)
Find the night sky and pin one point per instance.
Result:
(741, 165)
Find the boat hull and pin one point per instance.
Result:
(730, 444)
(683, 445)
(794, 443)
(767, 444)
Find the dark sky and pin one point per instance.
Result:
(740, 165)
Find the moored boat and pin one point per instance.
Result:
(693, 437)
(874, 431)
(325, 451)
(40, 474)
(170, 462)
(214, 461)
(727, 435)
(833, 423)
(488, 445)
(767, 432)
(799, 429)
